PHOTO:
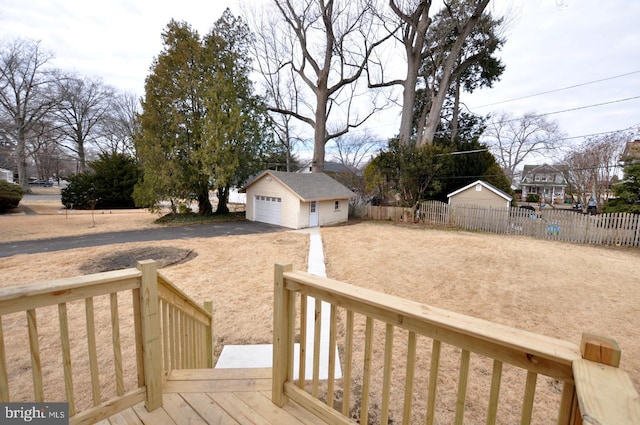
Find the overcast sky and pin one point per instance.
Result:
(551, 44)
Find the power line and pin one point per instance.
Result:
(558, 89)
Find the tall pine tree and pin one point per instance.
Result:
(202, 128)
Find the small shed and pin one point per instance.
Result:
(296, 200)
(482, 194)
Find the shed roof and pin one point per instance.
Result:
(485, 184)
(307, 186)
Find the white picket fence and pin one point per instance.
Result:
(619, 229)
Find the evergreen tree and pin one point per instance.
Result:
(627, 192)
(202, 128)
(109, 184)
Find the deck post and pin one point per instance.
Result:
(603, 351)
(151, 342)
(600, 350)
(281, 334)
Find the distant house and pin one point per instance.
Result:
(631, 153)
(296, 200)
(547, 181)
(482, 194)
(6, 175)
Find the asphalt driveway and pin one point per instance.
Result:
(8, 249)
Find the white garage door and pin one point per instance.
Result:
(267, 209)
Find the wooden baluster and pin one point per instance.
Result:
(208, 306)
(433, 381)
(529, 394)
(366, 378)
(115, 339)
(4, 379)
(317, 331)
(348, 358)
(410, 374)
(386, 380)
(93, 351)
(494, 396)
(465, 358)
(302, 364)
(66, 356)
(333, 323)
(36, 367)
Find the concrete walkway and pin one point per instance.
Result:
(260, 355)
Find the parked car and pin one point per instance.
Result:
(43, 183)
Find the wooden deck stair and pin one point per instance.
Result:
(216, 396)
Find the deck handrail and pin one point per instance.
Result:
(171, 331)
(533, 353)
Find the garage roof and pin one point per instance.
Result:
(308, 186)
(485, 184)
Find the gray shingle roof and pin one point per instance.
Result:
(308, 186)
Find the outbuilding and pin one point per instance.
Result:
(480, 193)
(296, 200)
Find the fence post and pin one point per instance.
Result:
(208, 306)
(150, 332)
(281, 345)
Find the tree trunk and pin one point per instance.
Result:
(456, 111)
(409, 99)
(204, 204)
(447, 71)
(81, 158)
(223, 199)
(21, 160)
(320, 133)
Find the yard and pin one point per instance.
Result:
(555, 289)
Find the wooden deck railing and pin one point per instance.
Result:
(170, 331)
(385, 377)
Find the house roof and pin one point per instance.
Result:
(558, 168)
(307, 186)
(333, 167)
(485, 184)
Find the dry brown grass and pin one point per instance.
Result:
(555, 289)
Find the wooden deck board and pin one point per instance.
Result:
(216, 397)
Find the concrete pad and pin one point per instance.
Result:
(261, 356)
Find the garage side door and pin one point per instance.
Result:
(267, 209)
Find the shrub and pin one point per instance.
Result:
(533, 197)
(10, 196)
(110, 185)
(79, 192)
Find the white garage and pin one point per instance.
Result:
(268, 209)
(296, 200)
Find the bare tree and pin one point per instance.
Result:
(593, 166)
(415, 21)
(119, 127)
(514, 140)
(325, 46)
(280, 85)
(355, 150)
(83, 108)
(25, 96)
